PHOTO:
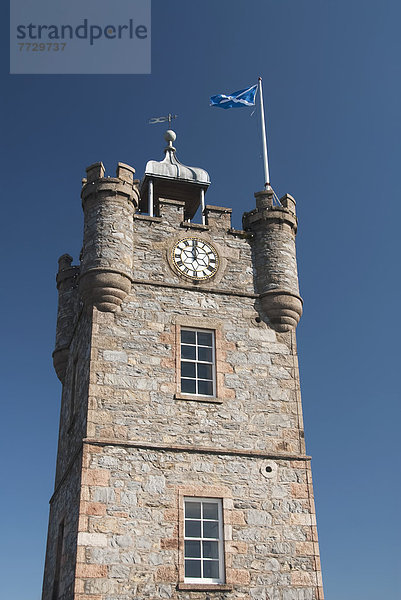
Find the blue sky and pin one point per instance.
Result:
(331, 72)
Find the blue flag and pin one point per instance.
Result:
(236, 99)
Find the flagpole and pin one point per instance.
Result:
(264, 138)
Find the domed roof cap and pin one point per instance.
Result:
(171, 168)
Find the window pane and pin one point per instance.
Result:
(204, 339)
(210, 549)
(205, 354)
(210, 511)
(210, 529)
(188, 386)
(193, 549)
(197, 362)
(188, 352)
(205, 388)
(193, 529)
(188, 337)
(211, 569)
(205, 371)
(192, 510)
(193, 568)
(188, 370)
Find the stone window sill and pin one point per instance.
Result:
(209, 587)
(192, 398)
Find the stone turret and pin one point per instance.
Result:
(274, 229)
(109, 204)
(67, 277)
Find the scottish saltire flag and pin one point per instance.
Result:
(236, 99)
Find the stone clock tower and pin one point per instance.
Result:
(181, 468)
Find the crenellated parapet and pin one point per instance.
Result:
(274, 229)
(67, 285)
(109, 204)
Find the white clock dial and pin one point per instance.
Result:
(195, 258)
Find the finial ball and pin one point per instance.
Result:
(170, 135)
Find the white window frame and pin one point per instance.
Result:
(220, 541)
(196, 361)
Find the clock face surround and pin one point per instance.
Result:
(195, 259)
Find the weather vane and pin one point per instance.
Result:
(169, 118)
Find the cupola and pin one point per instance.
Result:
(171, 179)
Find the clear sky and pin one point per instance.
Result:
(331, 71)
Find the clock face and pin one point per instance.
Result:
(195, 259)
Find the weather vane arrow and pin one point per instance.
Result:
(155, 120)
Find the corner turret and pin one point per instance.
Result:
(109, 204)
(67, 284)
(274, 229)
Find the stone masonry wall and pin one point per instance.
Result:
(154, 238)
(134, 379)
(129, 545)
(64, 507)
(64, 504)
(145, 445)
(73, 414)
